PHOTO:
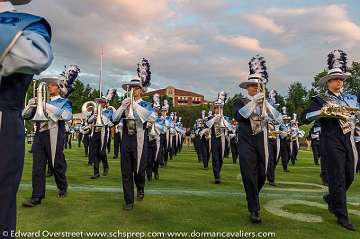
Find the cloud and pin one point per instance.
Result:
(203, 8)
(253, 45)
(264, 23)
(197, 45)
(332, 22)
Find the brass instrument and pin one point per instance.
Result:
(42, 96)
(207, 134)
(273, 134)
(130, 119)
(91, 106)
(339, 112)
(222, 121)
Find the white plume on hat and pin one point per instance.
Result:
(337, 69)
(257, 72)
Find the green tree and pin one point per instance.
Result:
(297, 98)
(352, 83)
(317, 77)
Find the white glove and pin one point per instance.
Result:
(125, 103)
(32, 102)
(259, 97)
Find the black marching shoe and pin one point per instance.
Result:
(62, 193)
(255, 217)
(128, 207)
(344, 222)
(205, 168)
(32, 202)
(156, 176)
(49, 174)
(286, 170)
(217, 181)
(95, 176)
(106, 172)
(115, 157)
(140, 196)
(272, 184)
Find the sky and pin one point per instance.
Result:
(199, 45)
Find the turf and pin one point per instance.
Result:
(184, 199)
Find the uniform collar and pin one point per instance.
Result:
(6, 7)
(55, 97)
(334, 94)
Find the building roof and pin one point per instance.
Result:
(177, 92)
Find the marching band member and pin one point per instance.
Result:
(205, 137)
(295, 134)
(233, 141)
(135, 113)
(335, 114)
(164, 136)
(100, 134)
(24, 51)
(273, 142)
(285, 135)
(218, 125)
(154, 141)
(274, 150)
(252, 113)
(197, 128)
(50, 134)
(172, 138)
(85, 130)
(176, 135)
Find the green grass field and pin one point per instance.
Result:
(186, 199)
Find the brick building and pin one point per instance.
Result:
(180, 97)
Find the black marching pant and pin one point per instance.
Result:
(98, 153)
(285, 152)
(129, 166)
(152, 162)
(204, 149)
(197, 147)
(86, 139)
(80, 136)
(252, 167)
(162, 150)
(294, 152)
(67, 140)
(108, 142)
(117, 142)
(234, 150)
(217, 159)
(41, 154)
(340, 165)
(270, 174)
(12, 138)
(315, 146)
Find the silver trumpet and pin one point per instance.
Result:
(130, 119)
(42, 96)
(222, 121)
